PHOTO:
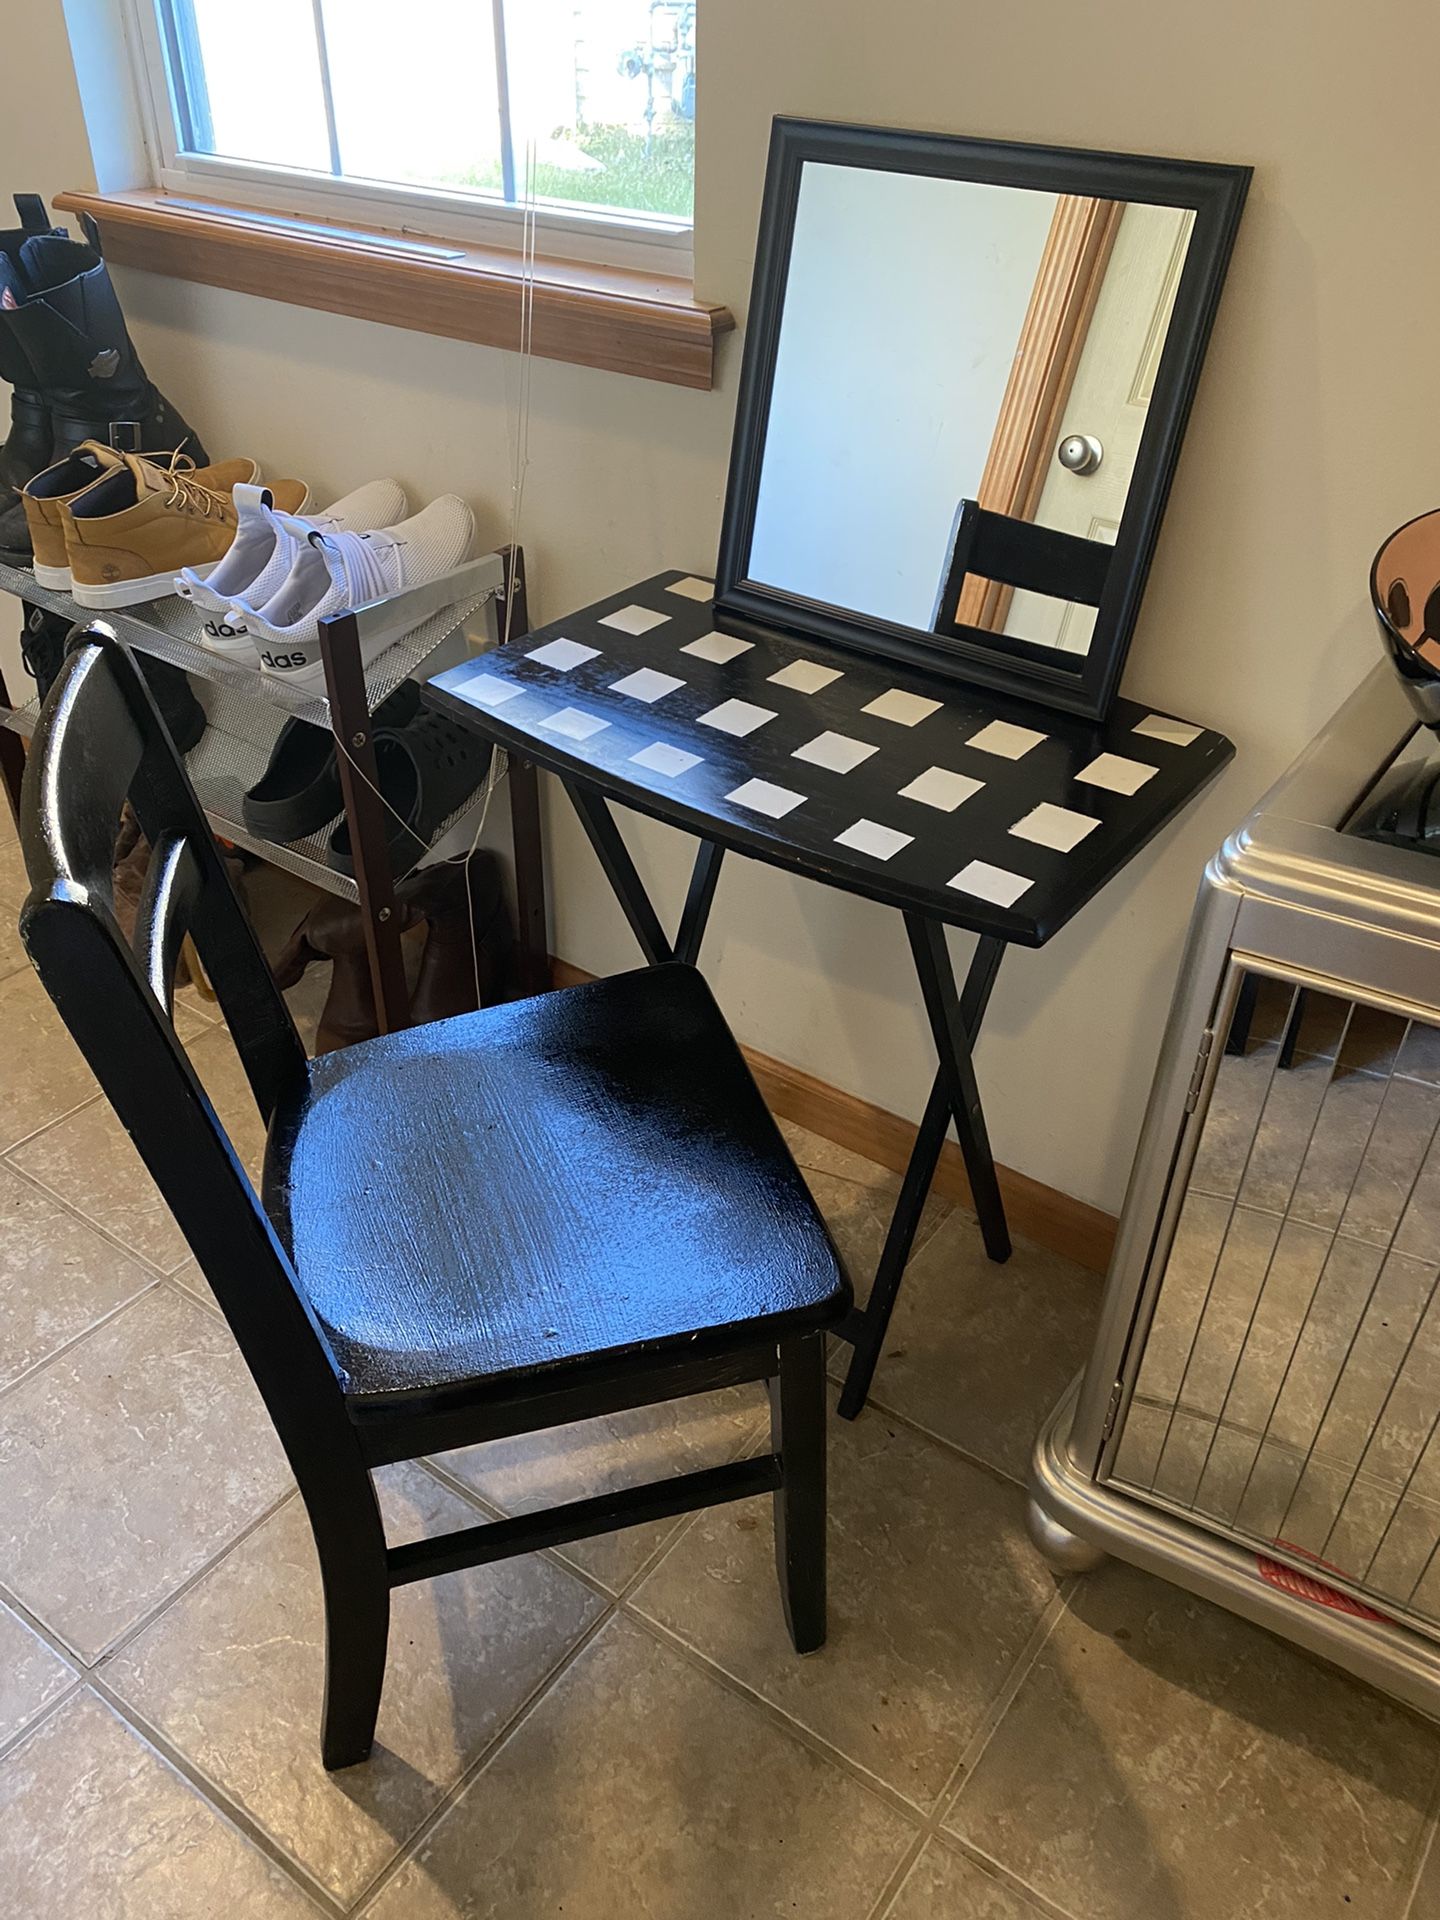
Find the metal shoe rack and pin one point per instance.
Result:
(481, 605)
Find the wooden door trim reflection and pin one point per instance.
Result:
(1062, 302)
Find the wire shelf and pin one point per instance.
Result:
(443, 610)
(245, 709)
(1289, 1390)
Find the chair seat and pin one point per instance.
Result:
(590, 1174)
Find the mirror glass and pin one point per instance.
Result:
(945, 340)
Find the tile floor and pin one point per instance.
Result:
(617, 1730)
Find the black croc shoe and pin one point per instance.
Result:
(426, 770)
(299, 791)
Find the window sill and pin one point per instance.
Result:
(610, 317)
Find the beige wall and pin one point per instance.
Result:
(1313, 435)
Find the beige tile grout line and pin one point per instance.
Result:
(152, 1282)
(1009, 1481)
(55, 1120)
(929, 1825)
(54, 1639)
(933, 1828)
(68, 1206)
(545, 1686)
(612, 1605)
(92, 1676)
(21, 1734)
(215, 1797)
(1425, 1849)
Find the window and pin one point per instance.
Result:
(454, 111)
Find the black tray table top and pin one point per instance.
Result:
(955, 801)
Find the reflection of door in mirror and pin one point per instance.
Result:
(939, 338)
(1066, 289)
(1109, 396)
(904, 301)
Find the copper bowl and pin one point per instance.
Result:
(1405, 593)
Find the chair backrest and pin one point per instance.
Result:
(100, 740)
(1017, 553)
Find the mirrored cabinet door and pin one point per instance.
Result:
(1287, 1389)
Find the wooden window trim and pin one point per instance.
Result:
(616, 318)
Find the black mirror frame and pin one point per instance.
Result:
(1078, 684)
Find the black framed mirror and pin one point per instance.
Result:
(968, 368)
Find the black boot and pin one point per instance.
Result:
(45, 640)
(27, 446)
(71, 329)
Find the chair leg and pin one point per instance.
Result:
(356, 1583)
(797, 1428)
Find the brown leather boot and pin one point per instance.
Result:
(334, 930)
(467, 938)
(131, 864)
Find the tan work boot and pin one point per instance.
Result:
(48, 493)
(129, 534)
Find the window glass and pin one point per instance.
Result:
(592, 106)
(254, 81)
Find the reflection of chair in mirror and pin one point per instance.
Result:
(1016, 553)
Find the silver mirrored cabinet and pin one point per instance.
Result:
(967, 372)
(1261, 1417)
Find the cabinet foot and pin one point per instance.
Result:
(1063, 1551)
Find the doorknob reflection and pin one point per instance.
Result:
(1080, 453)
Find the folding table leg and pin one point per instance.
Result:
(629, 888)
(625, 882)
(698, 899)
(952, 1042)
(528, 847)
(871, 1322)
(867, 1327)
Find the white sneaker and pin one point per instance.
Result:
(263, 551)
(337, 571)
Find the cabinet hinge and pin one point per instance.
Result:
(1111, 1411)
(1197, 1074)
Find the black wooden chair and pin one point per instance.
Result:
(1018, 553)
(490, 1225)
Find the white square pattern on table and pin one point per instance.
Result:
(717, 648)
(805, 676)
(693, 588)
(763, 796)
(1114, 771)
(635, 619)
(837, 752)
(737, 717)
(938, 787)
(995, 884)
(868, 836)
(574, 724)
(563, 654)
(487, 689)
(1056, 827)
(646, 684)
(1175, 733)
(905, 709)
(1009, 742)
(663, 758)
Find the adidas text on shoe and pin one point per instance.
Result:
(340, 571)
(266, 544)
